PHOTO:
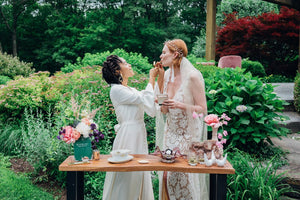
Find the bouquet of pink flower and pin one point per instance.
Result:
(86, 127)
(215, 122)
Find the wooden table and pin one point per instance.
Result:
(75, 172)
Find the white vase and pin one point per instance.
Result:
(214, 133)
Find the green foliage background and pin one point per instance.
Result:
(39, 105)
(71, 41)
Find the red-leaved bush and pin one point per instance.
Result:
(270, 38)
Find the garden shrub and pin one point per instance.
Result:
(276, 78)
(270, 38)
(254, 179)
(25, 92)
(11, 66)
(4, 80)
(138, 62)
(207, 71)
(297, 93)
(252, 106)
(255, 67)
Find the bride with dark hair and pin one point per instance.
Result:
(130, 106)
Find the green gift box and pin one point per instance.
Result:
(83, 148)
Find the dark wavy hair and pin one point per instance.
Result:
(111, 70)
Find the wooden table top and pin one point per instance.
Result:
(154, 164)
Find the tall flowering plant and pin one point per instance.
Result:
(84, 127)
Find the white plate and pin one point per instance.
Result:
(128, 158)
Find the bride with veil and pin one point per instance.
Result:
(175, 126)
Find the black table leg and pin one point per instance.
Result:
(218, 186)
(75, 185)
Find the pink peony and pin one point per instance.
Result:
(68, 135)
(212, 120)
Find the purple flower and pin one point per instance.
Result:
(93, 126)
(101, 136)
(96, 132)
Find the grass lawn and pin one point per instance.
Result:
(19, 187)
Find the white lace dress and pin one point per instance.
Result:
(178, 185)
(130, 106)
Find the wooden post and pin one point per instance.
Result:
(210, 49)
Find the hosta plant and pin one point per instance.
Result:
(252, 106)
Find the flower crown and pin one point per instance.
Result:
(179, 51)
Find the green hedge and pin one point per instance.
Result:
(138, 62)
(255, 67)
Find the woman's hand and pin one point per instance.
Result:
(172, 104)
(164, 109)
(161, 73)
(153, 73)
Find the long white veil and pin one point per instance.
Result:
(195, 126)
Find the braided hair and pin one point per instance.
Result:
(111, 70)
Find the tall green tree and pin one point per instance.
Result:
(11, 10)
(64, 24)
(53, 33)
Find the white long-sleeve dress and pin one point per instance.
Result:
(130, 105)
